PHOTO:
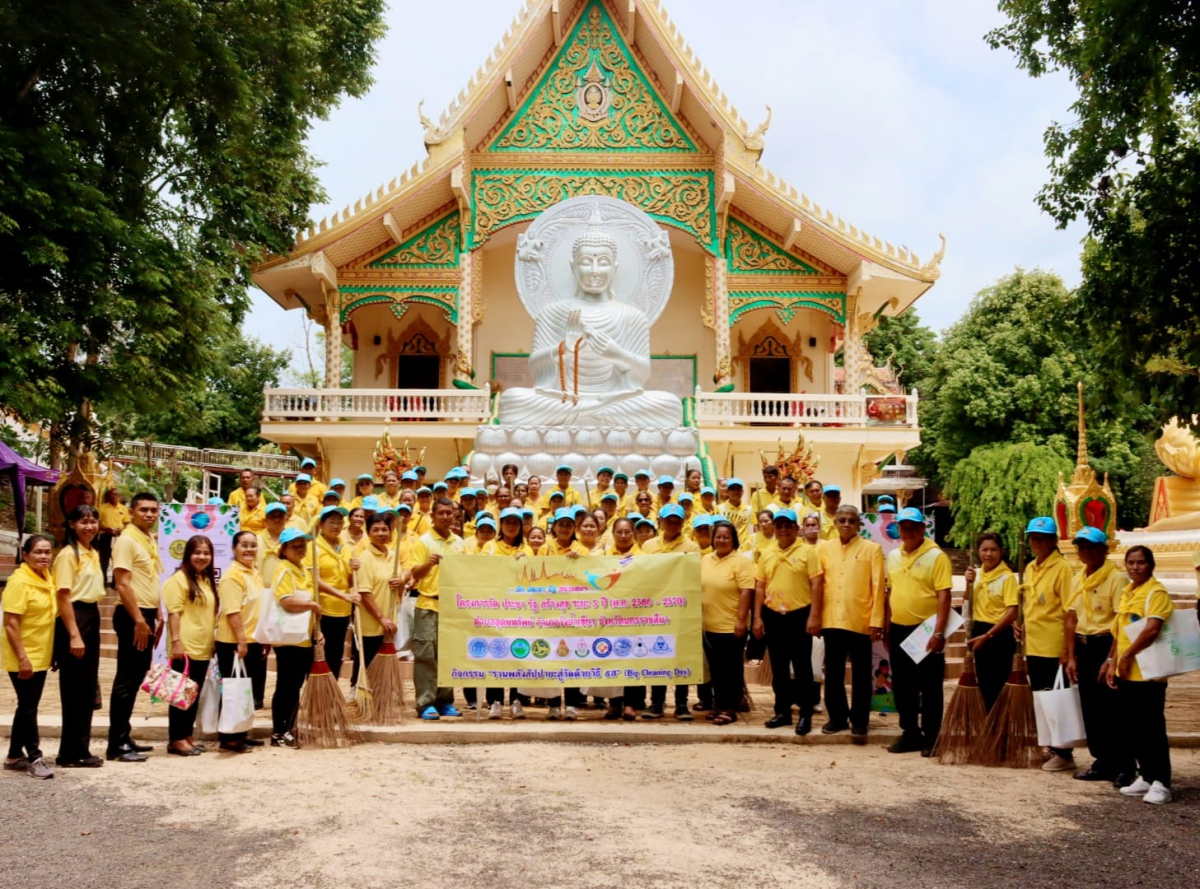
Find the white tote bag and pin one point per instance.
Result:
(818, 659)
(1059, 715)
(406, 615)
(278, 627)
(1175, 651)
(237, 701)
(209, 707)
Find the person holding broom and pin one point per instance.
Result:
(1047, 591)
(337, 600)
(433, 701)
(1095, 596)
(380, 581)
(919, 577)
(994, 600)
(296, 593)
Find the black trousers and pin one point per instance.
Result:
(993, 662)
(371, 646)
(1100, 705)
(334, 630)
(724, 654)
(574, 697)
(77, 681)
(635, 696)
(790, 649)
(755, 648)
(917, 688)
(181, 724)
(255, 662)
(104, 544)
(292, 666)
(24, 739)
(1144, 728)
(840, 646)
(1042, 673)
(132, 666)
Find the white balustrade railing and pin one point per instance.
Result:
(802, 409)
(456, 405)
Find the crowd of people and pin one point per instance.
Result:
(778, 568)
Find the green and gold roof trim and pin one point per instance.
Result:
(786, 303)
(435, 247)
(399, 296)
(749, 253)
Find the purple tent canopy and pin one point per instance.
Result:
(20, 472)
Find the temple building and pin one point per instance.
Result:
(603, 97)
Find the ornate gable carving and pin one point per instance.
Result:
(749, 253)
(436, 246)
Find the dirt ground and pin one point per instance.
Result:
(560, 814)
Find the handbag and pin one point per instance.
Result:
(1175, 651)
(237, 701)
(277, 626)
(1059, 715)
(210, 701)
(164, 684)
(406, 615)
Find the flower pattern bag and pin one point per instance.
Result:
(164, 684)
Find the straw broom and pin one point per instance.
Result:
(958, 740)
(1010, 735)
(384, 672)
(324, 719)
(363, 708)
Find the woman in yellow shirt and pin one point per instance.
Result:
(30, 606)
(364, 486)
(589, 535)
(190, 598)
(337, 598)
(295, 592)
(354, 535)
(1142, 703)
(624, 543)
(80, 586)
(239, 595)
(994, 594)
(510, 542)
(563, 542)
(727, 589)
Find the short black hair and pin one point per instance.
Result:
(142, 496)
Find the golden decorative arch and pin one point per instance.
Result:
(417, 338)
(772, 341)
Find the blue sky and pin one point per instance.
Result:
(895, 115)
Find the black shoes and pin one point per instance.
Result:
(804, 726)
(126, 753)
(682, 714)
(779, 720)
(906, 744)
(858, 731)
(832, 728)
(88, 762)
(1093, 775)
(251, 742)
(653, 713)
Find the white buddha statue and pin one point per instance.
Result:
(591, 355)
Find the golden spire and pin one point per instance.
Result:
(1083, 472)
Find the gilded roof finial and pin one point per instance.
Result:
(1083, 474)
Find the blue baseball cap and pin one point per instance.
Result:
(407, 507)
(1043, 524)
(609, 496)
(735, 483)
(556, 492)
(440, 486)
(331, 493)
(788, 515)
(645, 521)
(215, 501)
(708, 489)
(337, 483)
(468, 492)
(420, 468)
(304, 477)
(670, 511)
(604, 469)
(526, 512)
(307, 462)
(485, 522)
(702, 521)
(564, 514)
(290, 534)
(886, 498)
(686, 497)
(330, 510)
(642, 473)
(424, 490)
(511, 513)
(634, 517)
(665, 480)
(408, 476)
(365, 477)
(562, 467)
(831, 489)
(887, 507)
(1089, 534)
(371, 502)
(457, 472)
(579, 508)
(275, 507)
(620, 475)
(910, 514)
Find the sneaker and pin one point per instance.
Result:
(430, 713)
(449, 710)
(554, 714)
(652, 713)
(682, 714)
(496, 710)
(518, 711)
(570, 715)
(817, 708)
(754, 662)
(39, 769)
(1157, 794)
(1058, 763)
(1140, 787)
(287, 739)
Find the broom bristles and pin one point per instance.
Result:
(964, 722)
(1010, 733)
(387, 682)
(324, 720)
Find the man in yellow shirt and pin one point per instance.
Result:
(1095, 597)
(786, 579)
(765, 496)
(785, 498)
(604, 477)
(708, 501)
(237, 497)
(433, 701)
(832, 497)
(251, 516)
(114, 516)
(275, 517)
(562, 475)
(739, 515)
(1048, 582)
(666, 490)
(308, 466)
(851, 606)
(919, 577)
(621, 488)
(136, 571)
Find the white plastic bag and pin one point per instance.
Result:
(818, 659)
(209, 707)
(1059, 715)
(406, 615)
(237, 701)
(1175, 651)
(278, 627)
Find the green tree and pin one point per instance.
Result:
(150, 153)
(1129, 163)
(907, 343)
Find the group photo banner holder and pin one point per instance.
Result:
(553, 622)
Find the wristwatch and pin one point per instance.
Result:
(940, 636)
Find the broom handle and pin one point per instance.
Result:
(316, 588)
(1021, 594)
(587, 494)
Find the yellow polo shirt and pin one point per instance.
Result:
(635, 550)
(498, 547)
(136, 552)
(994, 592)
(722, 580)
(334, 565)
(237, 497)
(762, 543)
(571, 497)
(1151, 599)
(239, 592)
(1095, 599)
(679, 545)
(197, 619)
(428, 544)
(854, 585)
(598, 494)
(374, 577)
(254, 520)
(787, 574)
(316, 490)
(742, 519)
(267, 558)
(828, 528)
(762, 499)
(79, 574)
(387, 500)
(292, 580)
(1047, 592)
(915, 579)
(552, 548)
(114, 517)
(32, 596)
(420, 523)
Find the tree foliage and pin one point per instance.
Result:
(907, 343)
(150, 153)
(1129, 164)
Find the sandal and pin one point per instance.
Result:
(629, 714)
(724, 719)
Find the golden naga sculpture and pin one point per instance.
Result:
(1175, 505)
(801, 464)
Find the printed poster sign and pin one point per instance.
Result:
(554, 622)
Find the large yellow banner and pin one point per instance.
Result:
(551, 622)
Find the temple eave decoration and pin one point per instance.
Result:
(1084, 502)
